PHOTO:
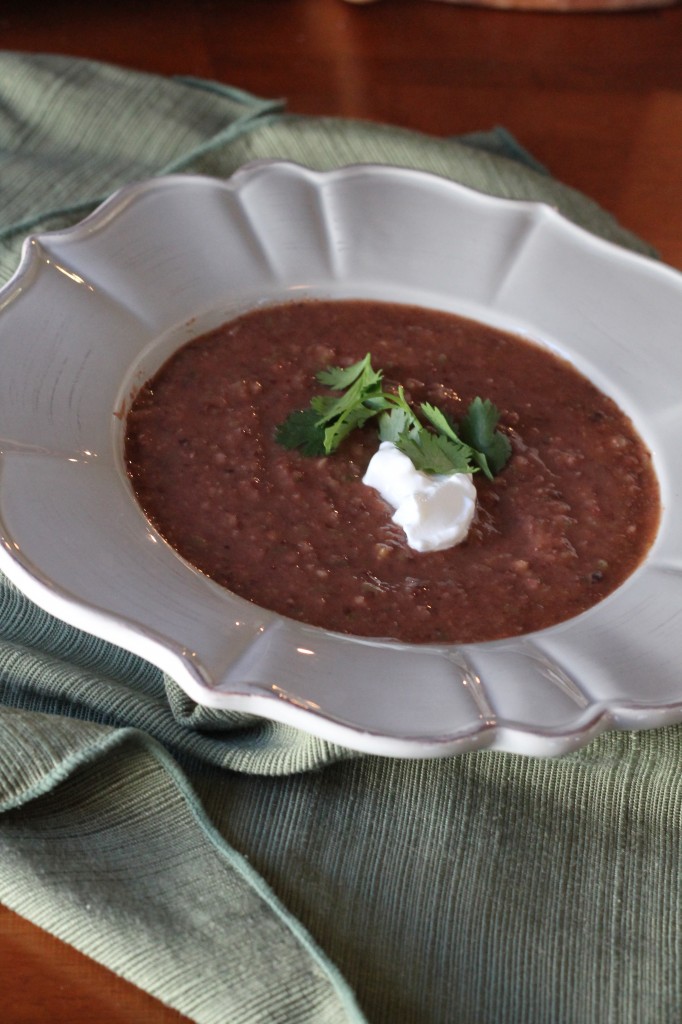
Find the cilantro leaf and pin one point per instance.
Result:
(440, 421)
(302, 430)
(399, 418)
(393, 424)
(488, 448)
(491, 449)
(338, 378)
(398, 421)
(354, 417)
(435, 453)
(342, 414)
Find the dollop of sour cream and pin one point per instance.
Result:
(434, 511)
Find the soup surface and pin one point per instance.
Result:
(565, 522)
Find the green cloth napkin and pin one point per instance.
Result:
(234, 868)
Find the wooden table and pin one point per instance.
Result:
(596, 97)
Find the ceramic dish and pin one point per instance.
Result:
(94, 310)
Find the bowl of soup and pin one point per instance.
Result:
(150, 355)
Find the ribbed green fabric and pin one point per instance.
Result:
(243, 872)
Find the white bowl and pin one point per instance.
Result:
(94, 310)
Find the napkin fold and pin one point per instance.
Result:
(235, 868)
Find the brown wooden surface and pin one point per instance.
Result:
(596, 97)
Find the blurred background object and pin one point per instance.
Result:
(565, 6)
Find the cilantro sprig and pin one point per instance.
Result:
(438, 446)
(360, 388)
